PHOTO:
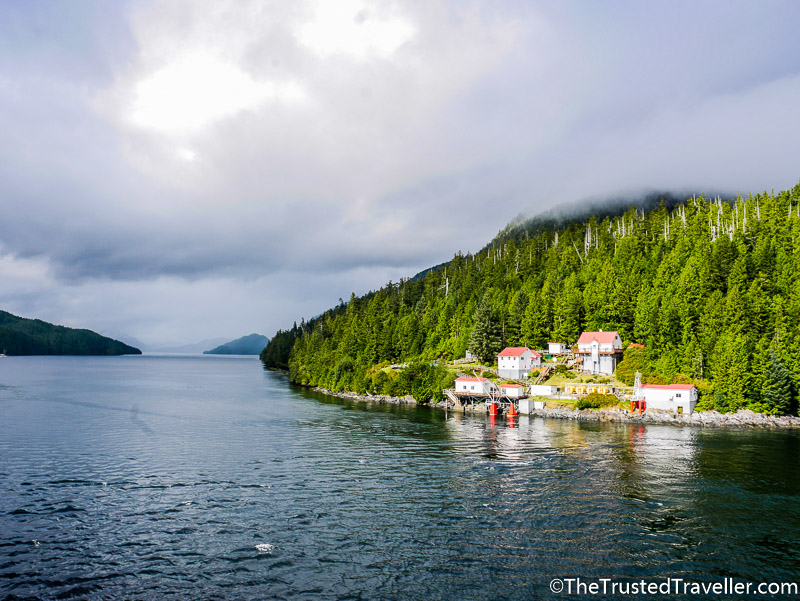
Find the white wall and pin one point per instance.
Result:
(669, 399)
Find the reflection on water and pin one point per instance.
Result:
(152, 477)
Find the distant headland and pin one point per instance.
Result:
(246, 345)
(21, 336)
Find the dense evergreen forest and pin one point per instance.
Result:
(710, 288)
(20, 336)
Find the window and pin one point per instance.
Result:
(472, 388)
(678, 395)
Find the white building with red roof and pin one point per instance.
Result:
(599, 352)
(515, 362)
(513, 391)
(481, 386)
(679, 398)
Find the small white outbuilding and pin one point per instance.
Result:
(530, 405)
(513, 391)
(482, 386)
(544, 390)
(679, 398)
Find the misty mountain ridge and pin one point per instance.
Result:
(558, 218)
(527, 225)
(194, 348)
(251, 344)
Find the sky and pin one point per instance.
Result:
(172, 171)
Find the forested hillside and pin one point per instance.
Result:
(20, 336)
(709, 287)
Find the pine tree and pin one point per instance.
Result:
(516, 316)
(536, 323)
(485, 340)
(777, 394)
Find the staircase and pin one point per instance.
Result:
(544, 374)
(451, 395)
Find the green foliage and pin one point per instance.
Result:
(485, 341)
(596, 400)
(777, 392)
(710, 288)
(20, 336)
(385, 383)
(633, 360)
(424, 382)
(276, 354)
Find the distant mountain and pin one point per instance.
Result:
(246, 345)
(126, 339)
(21, 336)
(191, 349)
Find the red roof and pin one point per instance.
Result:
(513, 351)
(601, 337)
(466, 379)
(635, 345)
(511, 386)
(517, 351)
(669, 386)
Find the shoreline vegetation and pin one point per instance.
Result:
(742, 418)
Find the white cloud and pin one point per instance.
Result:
(354, 28)
(197, 89)
(265, 94)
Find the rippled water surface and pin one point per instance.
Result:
(208, 478)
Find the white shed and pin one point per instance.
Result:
(513, 391)
(530, 405)
(482, 386)
(557, 348)
(680, 398)
(543, 390)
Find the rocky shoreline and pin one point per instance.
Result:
(371, 398)
(744, 418)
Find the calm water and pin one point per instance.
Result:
(158, 477)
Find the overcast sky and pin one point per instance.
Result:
(181, 170)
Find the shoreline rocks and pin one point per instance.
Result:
(372, 398)
(744, 418)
